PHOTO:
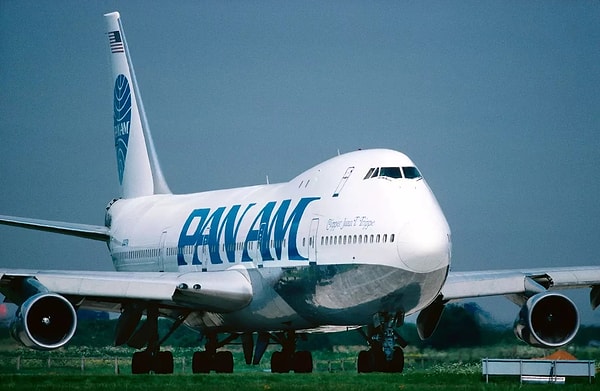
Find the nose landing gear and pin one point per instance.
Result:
(385, 353)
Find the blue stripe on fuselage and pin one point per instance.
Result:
(211, 228)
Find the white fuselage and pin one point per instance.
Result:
(356, 235)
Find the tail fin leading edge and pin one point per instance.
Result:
(139, 171)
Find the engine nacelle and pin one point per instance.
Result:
(45, 321)
(547, 320)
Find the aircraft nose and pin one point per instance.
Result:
(424, 244)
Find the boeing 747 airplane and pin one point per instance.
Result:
(356, 242)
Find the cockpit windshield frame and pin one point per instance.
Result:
(408, 172)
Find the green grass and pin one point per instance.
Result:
(268, 381)
(426, 369)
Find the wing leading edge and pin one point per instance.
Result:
(527, 288)
(95, 232)
(462, 285)
(223, 291)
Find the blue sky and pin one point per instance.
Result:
(497, 102)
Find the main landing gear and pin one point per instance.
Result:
(288, 359)
(385, 354)
(152, 359)
(161, 362)
(210, 359)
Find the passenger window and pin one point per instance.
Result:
(384, 238)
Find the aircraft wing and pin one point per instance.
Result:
(87, 231)
(461, 285)
(222, 291)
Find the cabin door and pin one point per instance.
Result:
(312, 241)
(261, 242)
(162, 251)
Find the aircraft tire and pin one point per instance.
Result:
(372, 360)
(223, 362)
(279, 363)
(164, 363)
(397, 363)
(303, 362)
(379, 363)
(201, 362)
(140, 363)
(364, 364)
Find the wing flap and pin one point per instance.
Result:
(222, 291)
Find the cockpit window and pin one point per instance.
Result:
(393, 172)
(390, 172)
(411, 172)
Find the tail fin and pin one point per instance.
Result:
(139, 171)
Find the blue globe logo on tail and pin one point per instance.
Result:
(122, 121)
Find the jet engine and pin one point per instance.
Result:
(44, 321)
(547, 320)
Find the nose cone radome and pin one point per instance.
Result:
(424, 244)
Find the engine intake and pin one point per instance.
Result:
(45, 321)
(547, 320)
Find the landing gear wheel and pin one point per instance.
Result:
(372, 360)
(397, 363)
(378, 360)
(164, 363)
(140, 363)
(364, 362)
(280, 363)
(223, 362)
(201, 362)
(303, 362)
